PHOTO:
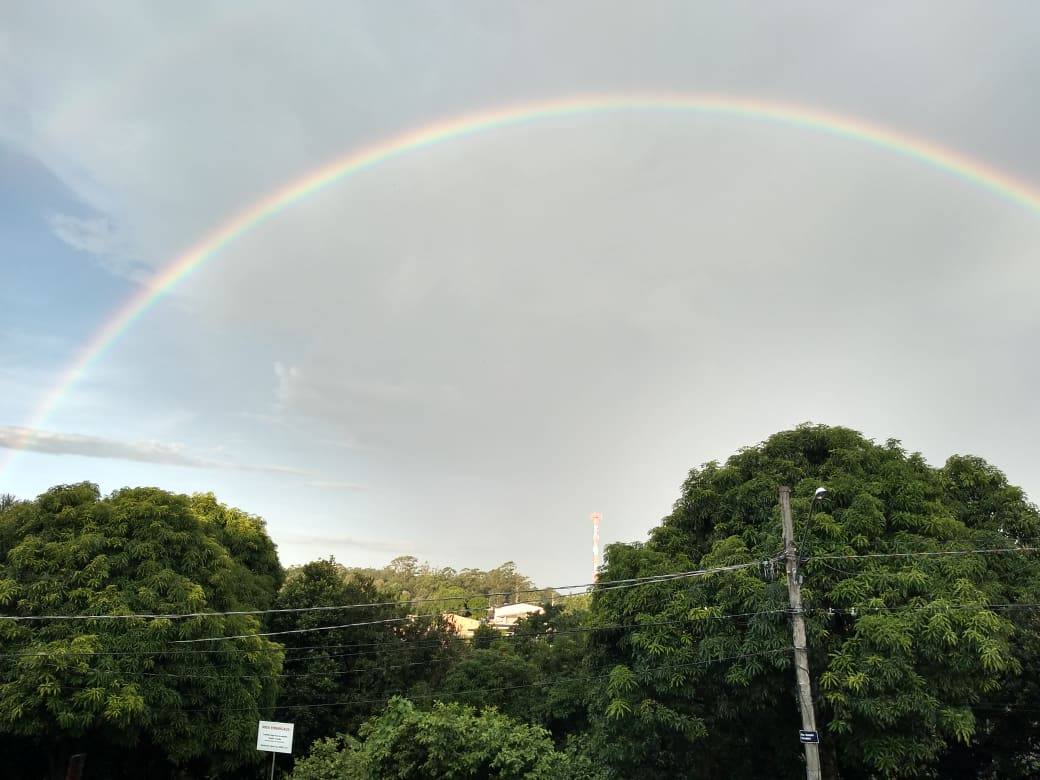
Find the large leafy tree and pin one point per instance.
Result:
(121, 687)
(343, 663)
(257, 573)
(910, 652)
(536, 675)
(448, 741)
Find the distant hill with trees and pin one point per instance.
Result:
(449, 589)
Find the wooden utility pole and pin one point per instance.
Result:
(801, 656)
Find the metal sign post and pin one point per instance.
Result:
(275, 738)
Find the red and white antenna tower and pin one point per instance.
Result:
(595, 517)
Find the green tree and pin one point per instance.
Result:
(535, 675)
(354, 667)
(258, 572)
(501, 677)
(120, 686)
(556, 644)
(906, 652)
(449, 741)
(451, 590)
(484, 636)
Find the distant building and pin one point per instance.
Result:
(462, 625)
(506, 617)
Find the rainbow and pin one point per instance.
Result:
(181, 267)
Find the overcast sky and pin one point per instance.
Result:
(461, 353)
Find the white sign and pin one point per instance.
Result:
(274, 737)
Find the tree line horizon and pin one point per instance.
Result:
(921, 586)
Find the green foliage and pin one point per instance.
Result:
(408, 579)
(918, 669)
(448, 741)
(535, 675)
(904, 649)
(498, 676)
(360, 665)
(259, 573)
(121, 682)
(556, 644)
(484, 636)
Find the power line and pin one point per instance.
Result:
(596, 587)
(637, 582)
(922, 607)
(284, 675)
(1005, 707)
(582, 630)
(426, 643)
(448, 694)
(303, 630)
(540, 684)
(402, 644)
(923, 553)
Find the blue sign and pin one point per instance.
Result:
(809, 736)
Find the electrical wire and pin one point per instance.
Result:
(626, 584)
(594, 586)
(920, 608)
(383, 621)
(342, 672)
(284, 675)
(539, 684)
(930, 553)
(584, 629)
(428, 643)
(401, 645)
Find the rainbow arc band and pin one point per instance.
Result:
(359, 160)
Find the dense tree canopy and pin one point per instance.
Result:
(456, 589)
(377, 652)
(907, 651)
(448, 741)
(122, 685)
(536, 674)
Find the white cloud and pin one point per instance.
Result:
(332, 484)
(100, 238)
(165, 453)
(288, 378)
(327, 542)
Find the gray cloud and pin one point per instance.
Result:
(332, 484)
(98, 237)
(507, 332)
(169, 454)
(287, 377)
(329, 542)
